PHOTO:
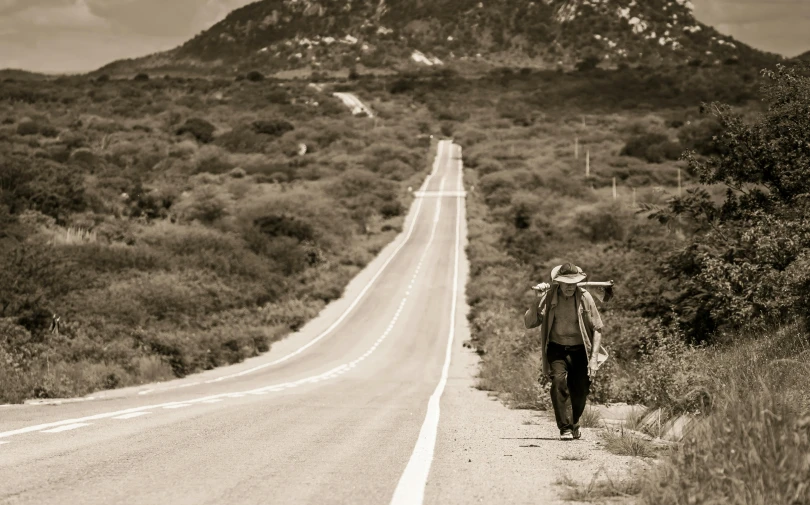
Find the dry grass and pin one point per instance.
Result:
(624, 443)
(752, 448)
(598, 489)
(573, 457)
(590, 418)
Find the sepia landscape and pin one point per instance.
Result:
(290, 258)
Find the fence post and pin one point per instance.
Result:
(576, 148)
(588, 163)
(614, 188)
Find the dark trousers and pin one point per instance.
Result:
(569, 383)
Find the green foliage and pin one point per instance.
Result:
(752, 446)
(164, 257)
(198, 128)
(653, 147)
(742, 266)
(272, 127)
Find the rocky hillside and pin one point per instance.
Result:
(332, 34)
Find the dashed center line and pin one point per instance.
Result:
(66, 427)
(71, 424)
(132, 415)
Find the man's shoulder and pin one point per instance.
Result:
(587, 296)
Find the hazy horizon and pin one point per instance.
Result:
(74, 36)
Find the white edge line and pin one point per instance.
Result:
(205, 399)
(362, 293)
(411, 487)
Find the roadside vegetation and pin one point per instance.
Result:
(709, 317)
(175, 225)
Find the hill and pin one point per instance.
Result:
(13, 74)
(335, 34)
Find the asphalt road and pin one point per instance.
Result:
(344, 411)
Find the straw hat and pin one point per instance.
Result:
(567, 273)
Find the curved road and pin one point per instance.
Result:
(344, 411)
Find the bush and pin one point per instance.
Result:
(254, 76)
(141, 77)
(27, 128)
(653, 147)
(737, 269)
(752, 446)
(198, 128)
(273, 127)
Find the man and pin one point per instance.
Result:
(571, 341)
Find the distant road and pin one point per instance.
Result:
(354, 103)
(341, 412)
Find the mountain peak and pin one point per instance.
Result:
(332, 34)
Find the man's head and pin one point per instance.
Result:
(567, 276)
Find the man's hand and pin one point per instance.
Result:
(592, 369)
(540, 289)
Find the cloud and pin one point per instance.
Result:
(41, 15)
(778, 26)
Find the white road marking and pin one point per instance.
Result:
(411, 487)
(145, 391)
(69, 424)
(66, 427)
(132, 415)
(437, 162)
(3, 442)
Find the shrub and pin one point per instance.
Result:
(752, 445)
(737, 269)
(273, 127)
(206, 203)
(27, 128)
(141, 77)
(700, 136)
(653, 147)
(198, 128)
(254, 76)
(242, 139)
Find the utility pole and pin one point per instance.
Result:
(614, 188)
(634, 198)
(576, 148)
(588, 163)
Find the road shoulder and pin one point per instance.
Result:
(488, 453)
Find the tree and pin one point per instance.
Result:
(747, 261)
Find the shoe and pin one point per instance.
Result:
(566, 435)
(576, 433)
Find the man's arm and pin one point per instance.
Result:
(534, 316)
(596, 343)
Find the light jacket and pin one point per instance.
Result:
(542, 314)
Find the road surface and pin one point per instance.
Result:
(335, 422)
(372, 402)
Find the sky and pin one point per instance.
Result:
(82, 35)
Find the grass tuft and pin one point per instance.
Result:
(624, 443)
(599, 489)
(590, 418)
